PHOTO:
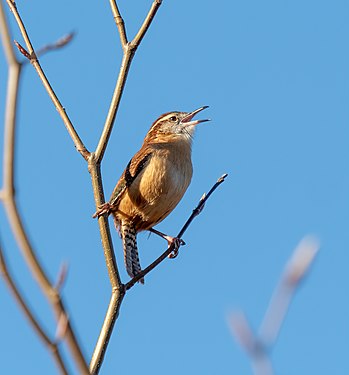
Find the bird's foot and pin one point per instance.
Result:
(178, 242)
(171, 241)
(104, 208)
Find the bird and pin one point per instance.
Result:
(153, 183)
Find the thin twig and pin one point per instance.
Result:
(23, 304)
(145, 26)
(197, 210)
(62, 276)
(129, 49)
(31, 55)
(60, 43)
(114, 105)
(259, 345)
(120, 24)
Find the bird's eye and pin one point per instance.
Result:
(173, 118)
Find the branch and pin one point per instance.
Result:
(14, 74)
(119, 293)
(145, 26)
(103, 223)
(31, 55)
(118, 290)
(259, 345)
(114, 105)
(197, 210)
(6, 38)
(107, 329)
(60, 43)
(28, 252)
(9, 201)
(37, 327)
(120, 24)
(129, 49)
(296, 269)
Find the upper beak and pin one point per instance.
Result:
(187, 119)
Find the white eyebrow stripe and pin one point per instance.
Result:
(164, 118)
(167, 117)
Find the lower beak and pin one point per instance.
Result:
(187, 119)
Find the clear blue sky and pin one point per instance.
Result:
(275, 75)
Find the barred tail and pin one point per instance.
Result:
(129, 242)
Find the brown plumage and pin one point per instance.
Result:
(153, 182)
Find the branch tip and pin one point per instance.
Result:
(60, 43)
(62, 326)
(222, 178)
(62, 276)
(65, 39)
(301, 260)
(22, 50)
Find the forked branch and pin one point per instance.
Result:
(259, 345)
(32, 56)
(129, 49)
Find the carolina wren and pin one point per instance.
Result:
(153, 182)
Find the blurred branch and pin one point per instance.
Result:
(197, 210)
(37, 327)
(9, 201)
(32, 56)
(14, 72)
(258, 346)
(60, 43)
(6, 39)
(296, 269)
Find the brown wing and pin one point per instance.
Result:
(133, 169)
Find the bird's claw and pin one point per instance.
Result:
(178, 242)
(173, 254)
(104, 208)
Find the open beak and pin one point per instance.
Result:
(187, 120)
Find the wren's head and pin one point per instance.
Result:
(174, 126)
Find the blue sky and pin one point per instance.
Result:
(275, 75)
